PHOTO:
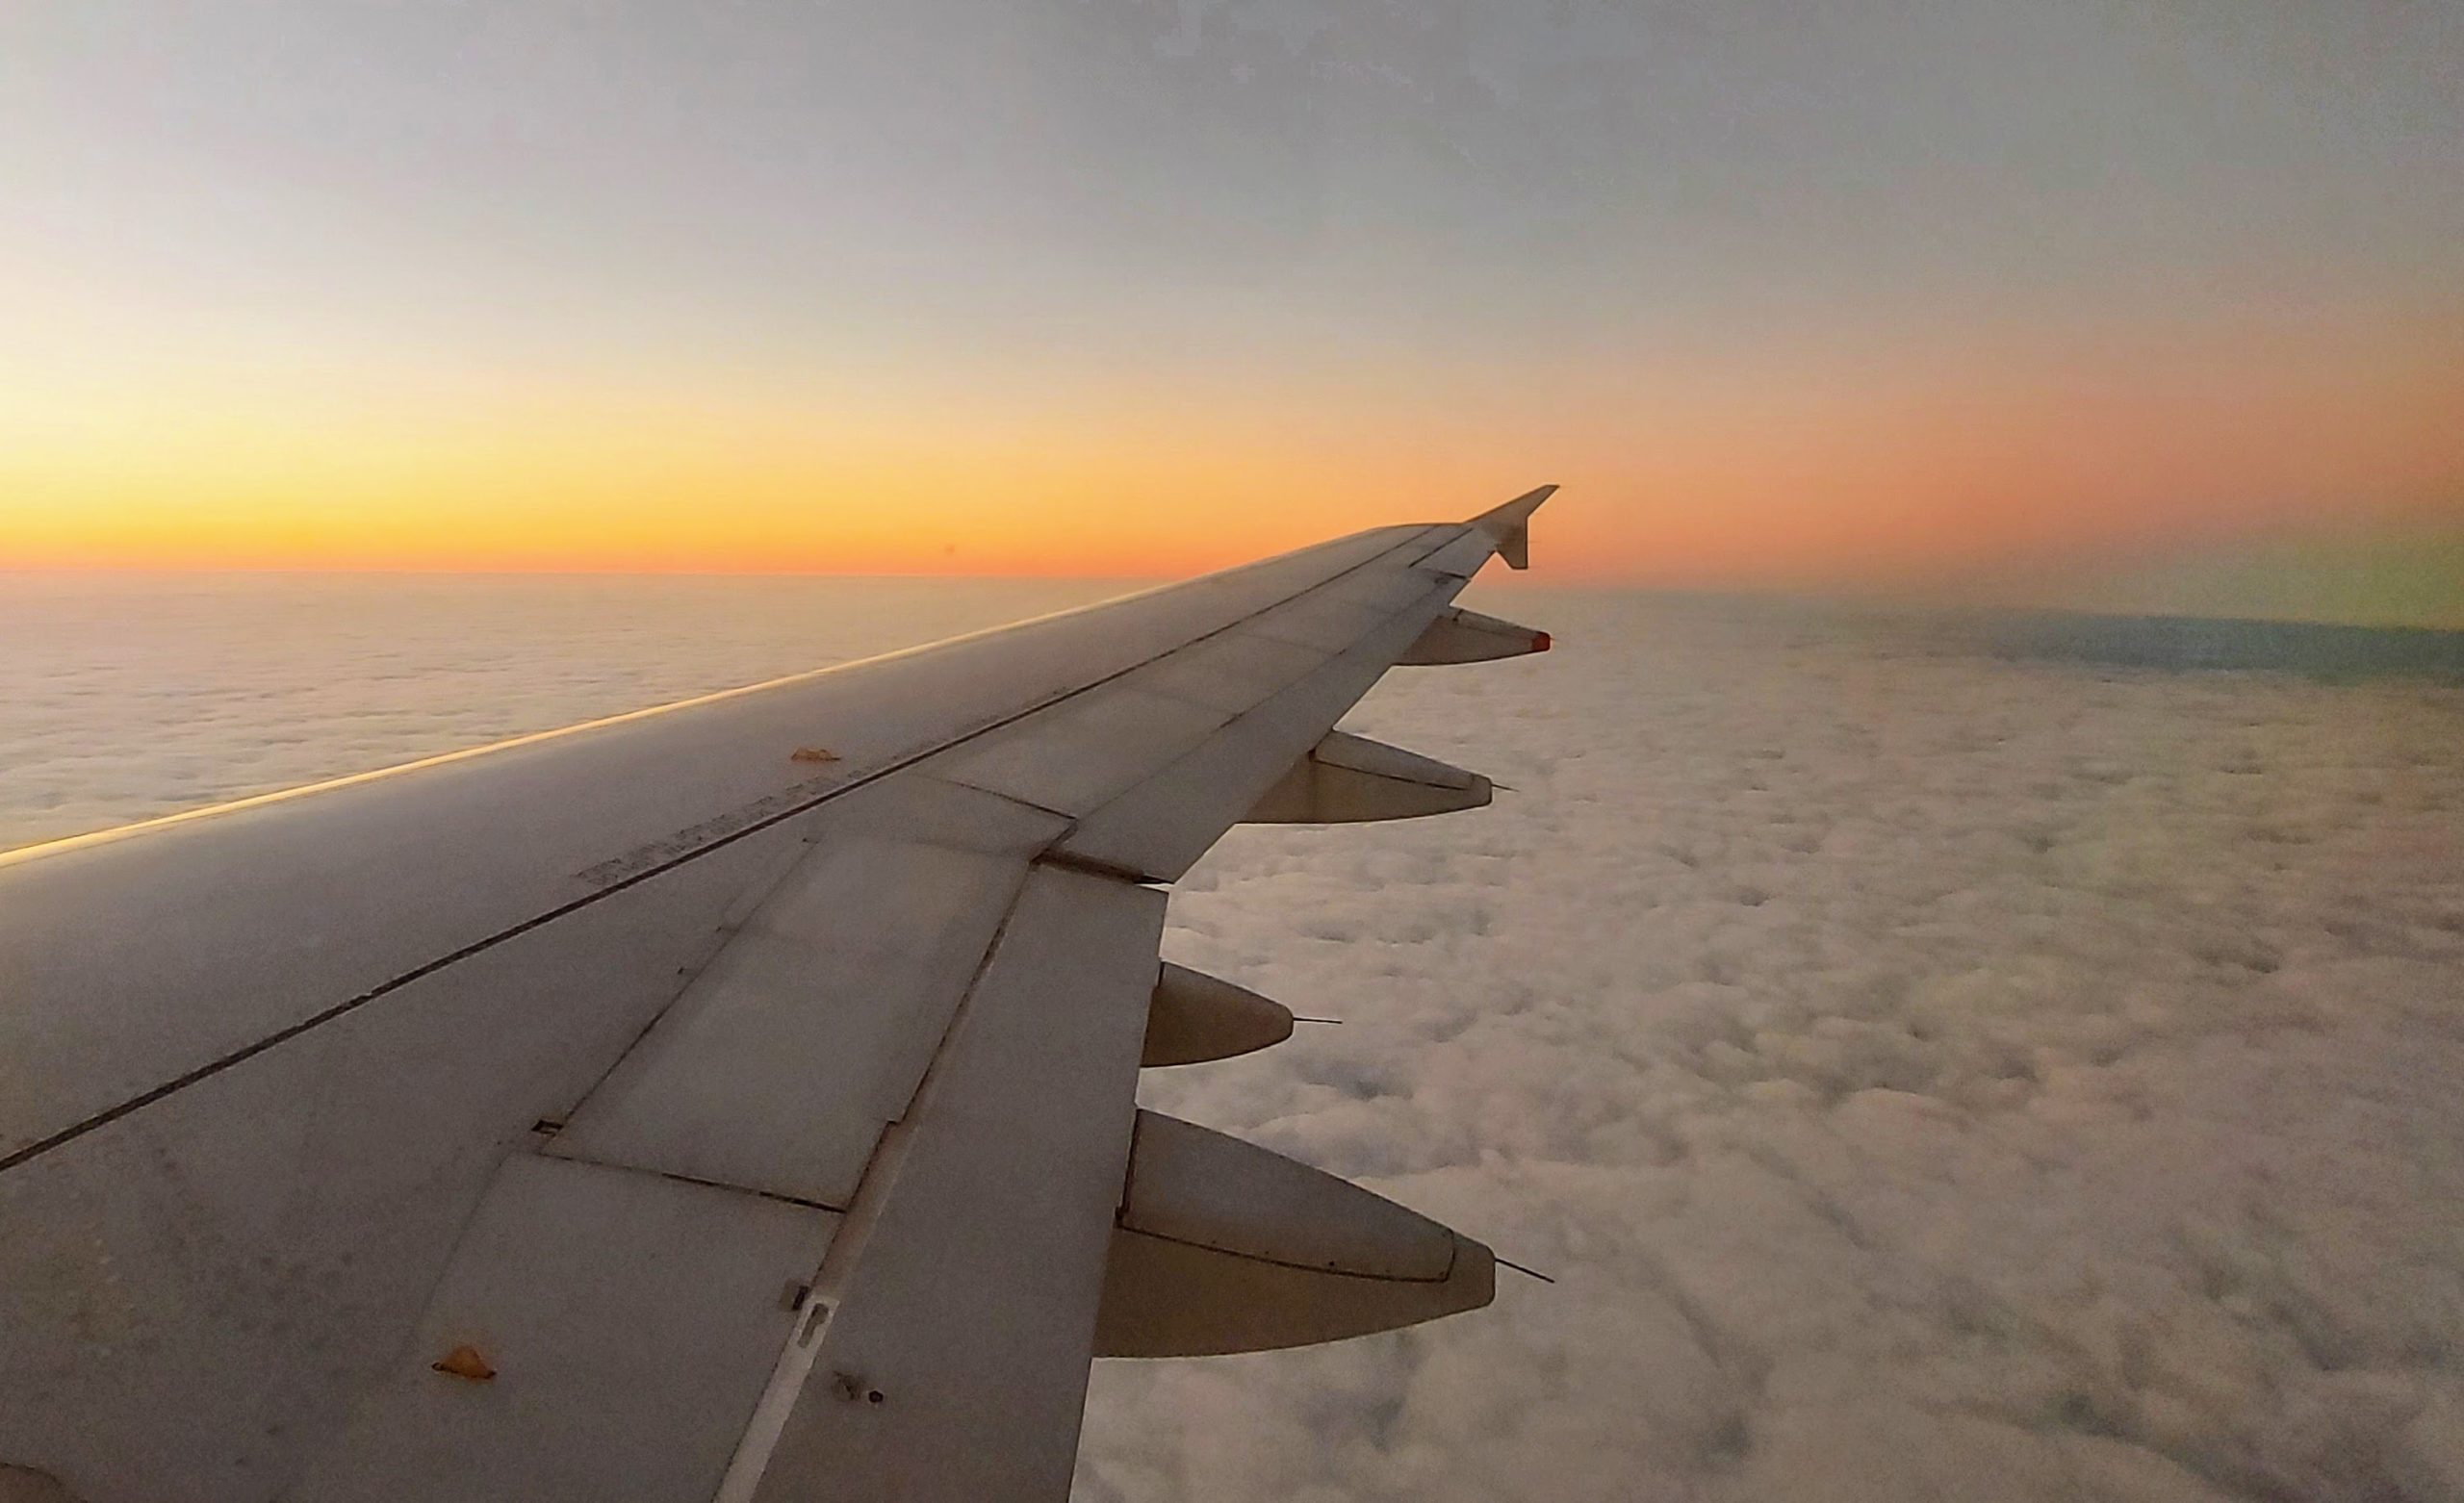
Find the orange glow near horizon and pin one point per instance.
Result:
(1798, 466)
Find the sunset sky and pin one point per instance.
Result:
(1795, 295)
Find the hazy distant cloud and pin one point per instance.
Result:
(2394, 574)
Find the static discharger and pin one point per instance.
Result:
(465, 1363)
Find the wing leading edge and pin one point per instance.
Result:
(643, 1111)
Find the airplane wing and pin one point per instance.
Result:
(734, 1100)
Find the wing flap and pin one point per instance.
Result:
(624, 1324)
(964, 1291)
(779, 1067)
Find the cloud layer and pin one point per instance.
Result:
(1927, 1074)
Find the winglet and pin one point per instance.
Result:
(1510, 525)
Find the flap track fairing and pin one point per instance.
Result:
(1222, 1246)
(1461, 636)
(1195, 1017)
(1347, 779)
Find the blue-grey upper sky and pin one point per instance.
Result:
(1549, 167)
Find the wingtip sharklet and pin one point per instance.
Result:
(1514, 515)
(1509, 525)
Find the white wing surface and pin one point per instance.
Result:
(734, 1101)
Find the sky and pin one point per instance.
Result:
(1802, 296)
